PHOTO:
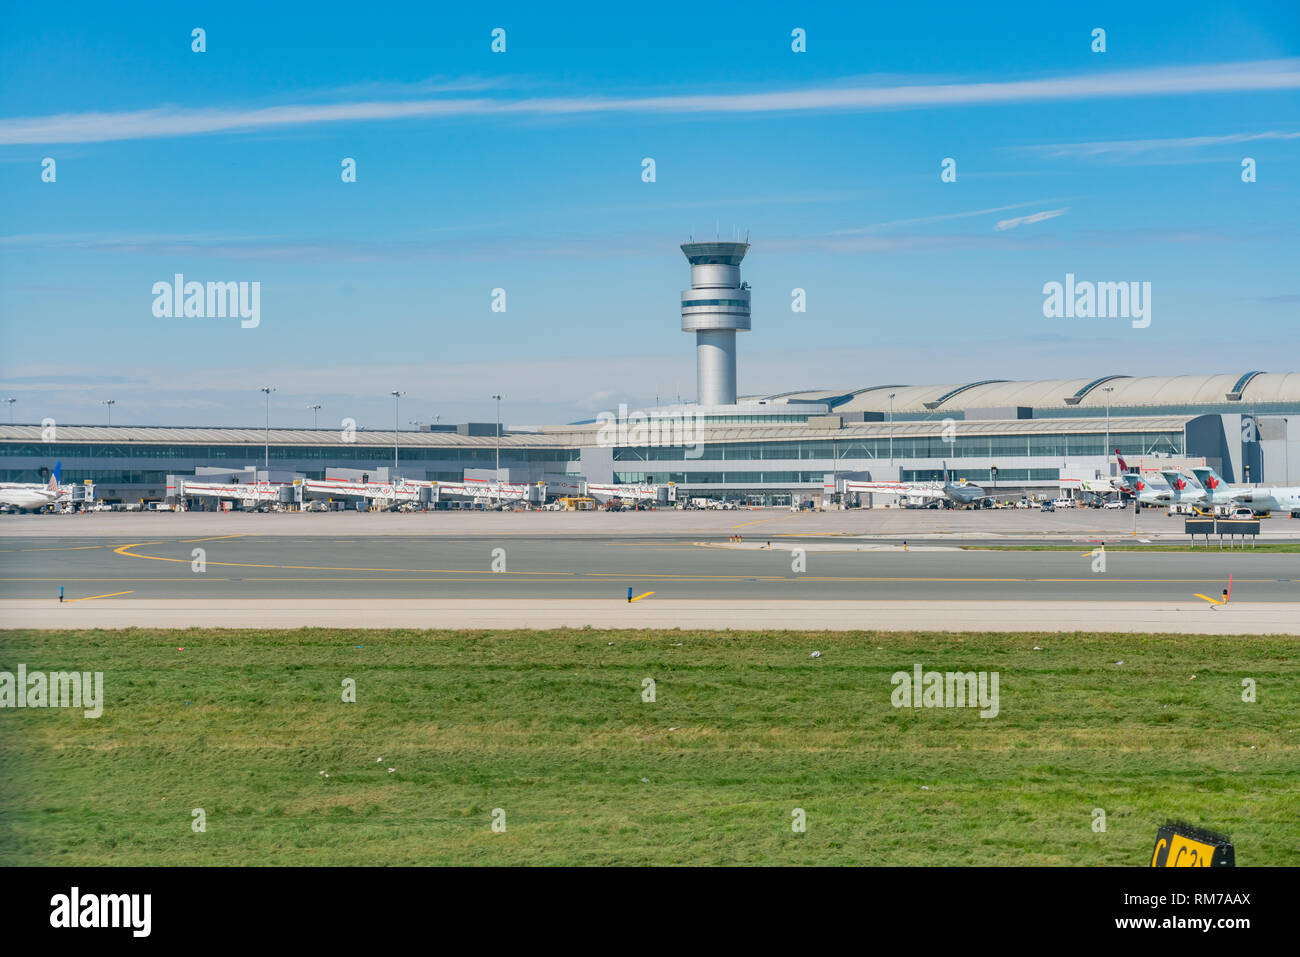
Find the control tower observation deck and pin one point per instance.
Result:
(715, 308)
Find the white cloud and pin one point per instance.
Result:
(944, 217)
(178, 121)
(1132, 147)
(1005, 224)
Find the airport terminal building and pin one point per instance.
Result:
(761, 450)
(1012, 437)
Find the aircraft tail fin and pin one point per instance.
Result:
(54, 477)
(1123, 466)
(1175, 479)
(1208, 478)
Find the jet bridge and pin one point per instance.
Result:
(248, 495)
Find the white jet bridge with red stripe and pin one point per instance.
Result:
(923, 490)
(251, 493)
(394, 493)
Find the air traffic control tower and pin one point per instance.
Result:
(715, 308)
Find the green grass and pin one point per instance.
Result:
(550, 726)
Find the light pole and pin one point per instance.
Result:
(315, 409)
(397, 396)
(497, 470)
(891, 427)
(268, 390)
(110, 403)
(11, 410)
(835, 470)
(1108, 390)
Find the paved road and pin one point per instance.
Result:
(887, 523)
(674, 567)
(1180, 618)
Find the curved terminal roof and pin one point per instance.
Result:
(1246, 388)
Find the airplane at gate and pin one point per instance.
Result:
(1262, 499)
(960, 492)
(1146, 494)
(33, 494)
(1181, 490)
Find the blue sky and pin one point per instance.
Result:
(522, 170)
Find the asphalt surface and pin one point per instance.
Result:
(672, 565)
(894, 524)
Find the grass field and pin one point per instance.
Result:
(551, 727)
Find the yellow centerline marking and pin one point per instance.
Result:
(811, 534)
(321, 568)
(660, 545)
(571, 576)
(639, 597)
(93, 597)
(215, 538)
(1212, 601)
(659, 576)
(759, 521)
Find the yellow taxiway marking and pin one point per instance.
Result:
(570, 576)
(109, 595)
(660, 576)
(639, 597)
(123, 550)
(812, 534)
(659, 545)
(760, 521)
(215, 538)
(1227, 594)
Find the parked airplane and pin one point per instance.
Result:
(1181, 490)
(1262, 499)
(960, 492)
(1212, 489)
(1119, 483)
(32, 494)
(963, 492)
(1146, 494)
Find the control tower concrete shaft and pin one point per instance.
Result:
(715, 308)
